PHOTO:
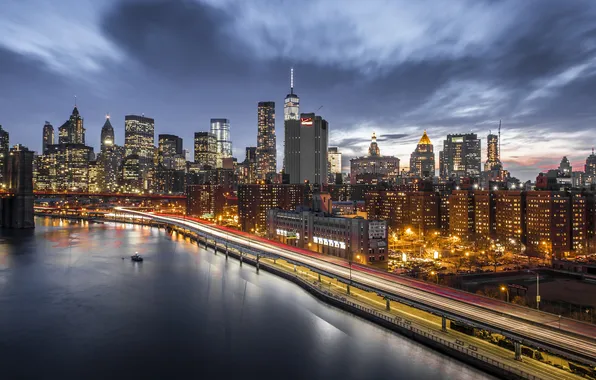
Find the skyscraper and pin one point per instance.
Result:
(266, 141)
(461, 156)
(205, 149)
(72, 131)
(4, 147)
(221, 129)
(334, 160)
(48, 136)
(170, 153)
(139, 139)
(291, 120)
(107, 134)
(590, 168)
(493, 159)
(314, 135)
(422, 160)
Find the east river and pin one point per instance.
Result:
(71, 307)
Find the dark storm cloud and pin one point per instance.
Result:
(185, 61)
(177, 37)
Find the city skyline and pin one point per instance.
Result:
(529, 72)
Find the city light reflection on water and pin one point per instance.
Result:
(74, 305)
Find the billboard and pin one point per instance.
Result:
(306, 121)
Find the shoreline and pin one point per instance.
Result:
(397, 325)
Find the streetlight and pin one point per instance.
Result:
(537, 289)
(505, 289)
(435, 274)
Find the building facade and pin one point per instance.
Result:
(422, 160)
(355, 239)
(254, 201)
(374, 168)
(205, 149)
(220, 128)
(107, 135)
(139, 140)
(72, 131)
(266, 153)
(461, 156)
(47, 136)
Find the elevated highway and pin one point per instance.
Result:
(574, 340)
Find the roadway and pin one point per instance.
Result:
(530, 327)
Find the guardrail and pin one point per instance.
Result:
(406, 324)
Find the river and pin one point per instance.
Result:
(71, 307)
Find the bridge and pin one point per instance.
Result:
(568, 338)
(67, 194)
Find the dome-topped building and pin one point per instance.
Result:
(422, 160)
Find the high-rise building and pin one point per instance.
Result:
(266, 141)
(334, 160)
(305, 146)
(254, 201)
(291, 124)
(374, 168)
(493, 159)
(19, 174)
(68, 167)
(109, 162)
(422, 160)
(314, 137)
(205, 149)
(590, 168)
(72, 131)
(461, 156)
(565, 168)
(48, 136)
(170, 152)
(461, 214)
(247, 170)
(139, 139)
(107, 134)
(220, 128)
(131, 174)
(4, 147)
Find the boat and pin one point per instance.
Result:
(136, 257)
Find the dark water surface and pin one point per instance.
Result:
(70, 307)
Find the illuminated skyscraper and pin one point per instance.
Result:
(461, 156)
(422, 160)
(205, 149)
(590, 168)
(291, 123)
(334, 160)
(48, 136)
(72, 131)
(221, 129)
(266, 141)
(107, 134)
(493, 161)
(4, 147)
(139, 139)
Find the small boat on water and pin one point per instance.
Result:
(136, 257)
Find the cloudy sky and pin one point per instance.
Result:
(393, 67)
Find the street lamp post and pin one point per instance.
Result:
(537, 289)
(435, 274)
(505, 289)
(350, 276)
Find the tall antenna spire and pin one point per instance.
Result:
(292, 80)
(75, 100)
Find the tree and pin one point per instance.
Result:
(518, 300)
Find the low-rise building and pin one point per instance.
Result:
(356, 239)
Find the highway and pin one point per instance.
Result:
(512, 322)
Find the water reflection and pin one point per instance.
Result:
(72, 307)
